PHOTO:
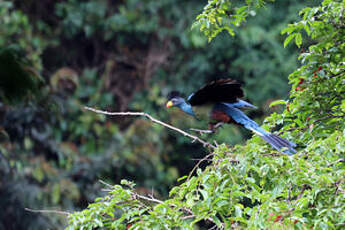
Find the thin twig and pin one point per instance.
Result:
(273, 154)
(214, 227)
(289, 194)
(154, 200)
(341, 160)
(326, 117)
(198, 164)
(316, 121)
(187, 217)
(47, 211)
(213, 130)
(337, 190)
(151, 199)
(194, 138)
(201, 131)
(289, 130)
(299, 196)
(106, 184)
(338, 74)
(136, 196)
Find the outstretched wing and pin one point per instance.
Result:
(224, 90)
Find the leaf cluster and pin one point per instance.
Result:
(226, 15)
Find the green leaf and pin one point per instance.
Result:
(298, 39)
(288, 39)
(277, 102)
(238, 211)
(288, 30)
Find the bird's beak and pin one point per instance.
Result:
(169, 104)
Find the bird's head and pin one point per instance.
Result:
(175, 99)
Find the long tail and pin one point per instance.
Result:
(278, 143)
(275, 141)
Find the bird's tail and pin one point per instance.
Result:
(238, 116)
(276, 142)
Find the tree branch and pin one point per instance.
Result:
(154, 120)
(47, 211)
(338, 74)
(316, 121)
(150, 198)
(194, 138)
(299, 196)
(198, 164)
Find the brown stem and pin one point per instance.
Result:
(299, 196)
(154, 120)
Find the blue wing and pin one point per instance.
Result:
(239, 117)
(242, 105)
(190, 96)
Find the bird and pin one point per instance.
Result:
(221, 98)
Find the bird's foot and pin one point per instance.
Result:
(202, 131)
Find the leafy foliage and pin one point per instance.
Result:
(251, 186)
(226, 15)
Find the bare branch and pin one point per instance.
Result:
(338, 74)
(151, 199)
(105, 183)
(194, 138)
(47, 211)
(299, 196)
(190, 213)
(198, 164)
(201, 131)
(187, 217)
(316, 121)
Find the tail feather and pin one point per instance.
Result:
(240, 118)
(283, 141)
(272, 142)
(278, 143)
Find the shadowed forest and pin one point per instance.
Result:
(58, 56)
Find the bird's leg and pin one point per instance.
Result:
(215, 126)
(212, 128)
(202, 131)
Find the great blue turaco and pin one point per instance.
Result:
(222, 97)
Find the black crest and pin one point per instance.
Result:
(173, 94)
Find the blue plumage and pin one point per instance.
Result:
(224, 96)
(242, 105)
(187, 108)
(239, 117)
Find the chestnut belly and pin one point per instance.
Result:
(220, 116)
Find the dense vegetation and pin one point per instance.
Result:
(128, 56)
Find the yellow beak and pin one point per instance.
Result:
(169, 104)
